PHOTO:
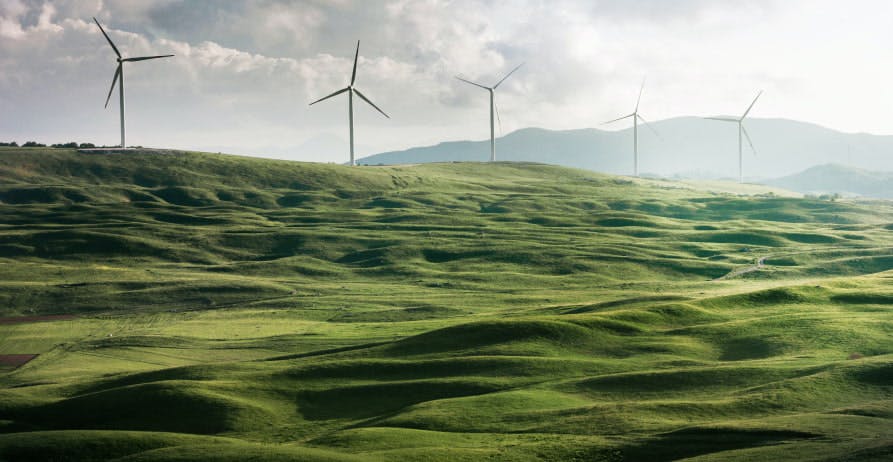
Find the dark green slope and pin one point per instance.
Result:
(450, 225)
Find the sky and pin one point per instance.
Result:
(245, 71)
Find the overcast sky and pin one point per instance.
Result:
(245, 71)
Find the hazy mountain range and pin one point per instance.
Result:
(840, 179)
(686, 146)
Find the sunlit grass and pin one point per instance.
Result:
(231, 308)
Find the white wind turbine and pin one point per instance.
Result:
(741, 130)
(119, 77)
(636, 118)
(351, 90)
(492, 108)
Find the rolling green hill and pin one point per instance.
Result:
(227, 308)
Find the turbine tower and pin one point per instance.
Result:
(741, 130)
(492, 108)
(351, 90)
(119, 77)
(636, 118)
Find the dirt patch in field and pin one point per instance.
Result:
(24, 319)
(15, 360)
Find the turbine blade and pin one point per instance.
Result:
(751, 105)
(498, 119)
(475, 84)
(114, 80)
(333, 94)
(619, 118)
(507, 75)
(723, 119)
(648, 124)
(143, 58)
(370, 102)
(641, 89)
(107, 38)
(747, 137)
(353, 77)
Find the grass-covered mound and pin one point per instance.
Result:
(229, 308)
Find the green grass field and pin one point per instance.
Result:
(231, 308)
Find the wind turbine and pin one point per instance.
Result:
(119, 76)
(351, 90)
(492, 108)
(636, 118)
(741, 130)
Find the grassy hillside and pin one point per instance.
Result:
(228, 308)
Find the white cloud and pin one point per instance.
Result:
(245, 71)
(10, 16)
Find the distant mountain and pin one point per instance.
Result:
(839, 179)
(684, 146)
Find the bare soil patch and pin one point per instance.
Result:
(15, 360)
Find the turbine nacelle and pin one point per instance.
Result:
(636, 118)
(742, 134)
(352, 90)
(493, 107)
(119, 74)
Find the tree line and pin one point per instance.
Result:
(35, 144)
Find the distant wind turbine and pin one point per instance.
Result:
(636, 118)
(351, 90)
(492, 108)
(741, 130)
(119, 77)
